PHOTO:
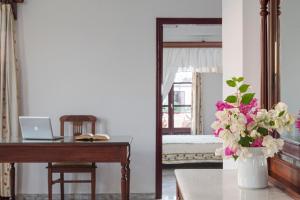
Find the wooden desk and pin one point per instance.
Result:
(117, 149)
(216, 184)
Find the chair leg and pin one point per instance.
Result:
(49, 183)
(62, 189)
(93, 184)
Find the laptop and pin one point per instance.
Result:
(37, 128)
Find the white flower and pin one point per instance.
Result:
(272, 145)
(216, 125)
(254, 134)
(222, 115)
(262, 114)
(273, 113)
(244, 153)
(237, 128)
(284, 123)
(228, 138)
(233, 125)
(290, 119)
(281, 107)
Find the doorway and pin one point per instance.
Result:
(176, 100)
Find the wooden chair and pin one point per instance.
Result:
(61, 168)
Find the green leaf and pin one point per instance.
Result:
(281, 113)
(247, 98)
(231, 99)
(243, 88)
(234, 78)
(231, 83)
(272, 123)
(240, 79)
(245, 141)
(263, 131)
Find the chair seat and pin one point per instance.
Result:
(73, 165)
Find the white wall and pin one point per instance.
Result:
(97, 57)
(241, 42)
(241, 46)
(232, 34)
(251, 44)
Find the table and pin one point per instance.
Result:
(117, 149)
(216, 184)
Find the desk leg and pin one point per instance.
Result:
(128, 180)
(123, 182)
(12, 181)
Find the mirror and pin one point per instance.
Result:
(280, 68)
(290, 61)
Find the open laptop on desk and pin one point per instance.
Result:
(37, 128)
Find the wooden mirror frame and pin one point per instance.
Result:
(284, 174)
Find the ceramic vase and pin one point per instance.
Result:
(253, 171)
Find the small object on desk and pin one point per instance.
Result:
(91, 137)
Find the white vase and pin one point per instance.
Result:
(253, 171)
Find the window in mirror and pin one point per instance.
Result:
(177, 105)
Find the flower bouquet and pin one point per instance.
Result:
(247, 129)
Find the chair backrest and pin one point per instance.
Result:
(77, 123)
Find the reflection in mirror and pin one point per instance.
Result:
(290, 61)
(191, 70)
(192, 57)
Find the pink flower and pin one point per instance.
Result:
(217, 132)
(229, 151)
(245, 109)
(298, 123)
(249, 118)
(223, 105)
(257, 142)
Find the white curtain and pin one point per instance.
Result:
(8, 89)
(201, 60)
(197, 119)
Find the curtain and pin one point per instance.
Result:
(197, 120)
(202, 60)
(8, 90)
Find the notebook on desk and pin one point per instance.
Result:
(37, 128)
(91, 137)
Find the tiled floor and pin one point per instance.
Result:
(87, 197)
(169, 192)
